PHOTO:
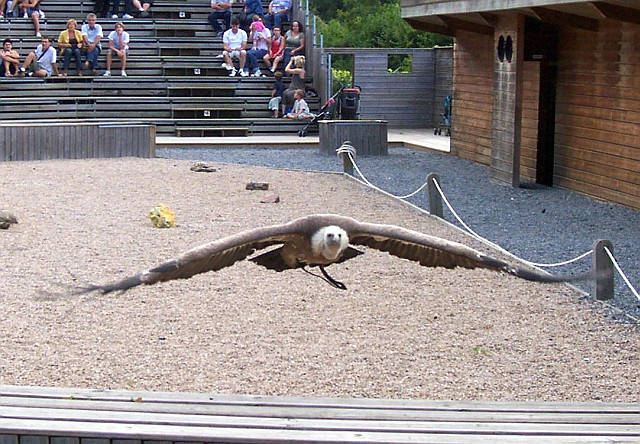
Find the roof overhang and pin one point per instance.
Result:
(479, 16)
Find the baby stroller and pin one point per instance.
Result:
(446, 119)
(327, 112)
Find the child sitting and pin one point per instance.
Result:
(300, 107)
(276, 94)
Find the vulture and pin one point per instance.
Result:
(318, 241)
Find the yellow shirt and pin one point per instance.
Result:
(64, 38)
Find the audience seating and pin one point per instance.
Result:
(175, 78)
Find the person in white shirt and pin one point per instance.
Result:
(42, 61)
(118, 44)
(234, 42)
(91, 36)
(261, 37)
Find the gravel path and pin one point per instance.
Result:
(541, 225)
(399, 330)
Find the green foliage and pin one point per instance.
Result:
(341, 78)
(371, 24)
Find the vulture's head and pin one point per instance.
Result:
(330, 241)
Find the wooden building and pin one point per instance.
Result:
(545, 91)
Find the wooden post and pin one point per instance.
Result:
(435, 199)
(603, 267)
(347, 165)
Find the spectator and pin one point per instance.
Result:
(234, 42)
(42, 61)
(295, 68)
(69, 44)
(276, 94)
(10, 59)
(143, 7)
(3, 4)
(128, 9)
(276, 50)
(251, 8)
(118, 44)
(91, 36)
(221, 9)
(101, 8)
(33, 11)
(300, 107)
(278, 12)
(21, 6)
(295, 41)
(261, 37)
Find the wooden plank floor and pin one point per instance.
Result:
(37, 414)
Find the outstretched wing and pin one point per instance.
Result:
(209, 257)
(431, 251)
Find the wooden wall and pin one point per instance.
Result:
(406, 100)
(597, 143)
(472, 97)
(78, 140)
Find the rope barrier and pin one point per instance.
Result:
(624, 276)
(348, 150)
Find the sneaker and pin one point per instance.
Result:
(123, 74)
(244, 73)
(232, 72)
(257, 73)
(1, 16)
(127, 16)
(25, 16)
(107, 73)
(114, 16)
(226, 66)
(38, 34)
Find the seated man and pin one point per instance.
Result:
(221, 9)
(10, 59)
(91, 36)
(119, 44)
(42, 61)
(279, 11)
(234, 42)
(143, 7)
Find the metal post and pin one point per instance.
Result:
(603, 267)
(435, 200)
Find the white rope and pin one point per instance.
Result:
(619, 270)
(494, 245)
(349, 150)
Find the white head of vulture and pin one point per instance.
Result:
(321, 240)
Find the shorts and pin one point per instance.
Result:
(235, 54)
(274, 103)
(30, 11)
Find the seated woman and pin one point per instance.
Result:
(294, 39)
(296, 70)
(70, 44)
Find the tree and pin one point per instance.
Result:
(371, 24)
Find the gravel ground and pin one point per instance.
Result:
(399, 331)
(542, 225)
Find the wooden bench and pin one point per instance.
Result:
(35, 415)
(211, 131)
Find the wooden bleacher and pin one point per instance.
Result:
(175, 80)
(39, 415)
